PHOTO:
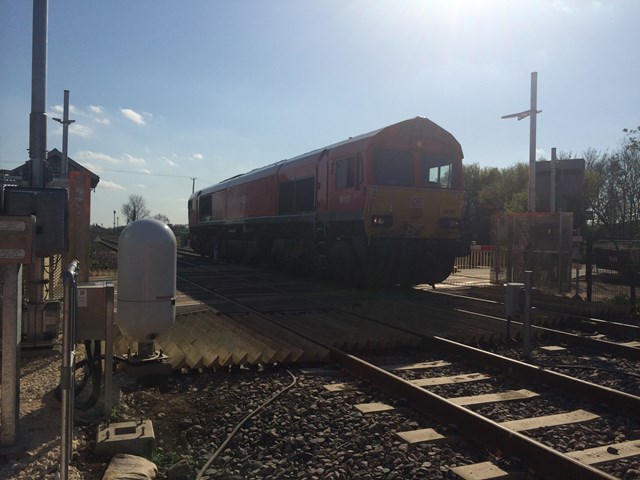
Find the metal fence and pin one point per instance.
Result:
(608, 272)
(612, 270)
(481, 256)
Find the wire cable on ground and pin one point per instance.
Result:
(237, 428)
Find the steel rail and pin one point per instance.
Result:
(543, 460)
(586, 343)
(581, 389)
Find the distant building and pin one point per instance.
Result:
(569, 185)
(80, 182)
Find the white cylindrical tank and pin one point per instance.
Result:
(146, 279)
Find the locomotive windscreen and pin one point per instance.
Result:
(392, 167)
(437, 171)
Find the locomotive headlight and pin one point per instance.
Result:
(449, 223)
(381, 220)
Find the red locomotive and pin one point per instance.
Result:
(380, 208)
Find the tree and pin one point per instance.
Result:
(490, 190)
(162, 217)
(614, 187)
(135, 209)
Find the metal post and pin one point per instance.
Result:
(552, 184)
(108, 351)
(11, 276)
(68, 365)
(38, 117)
(526, 327)
(532, 112)
(589, 272)
(37, 147)
(64, 173)
(532, 142)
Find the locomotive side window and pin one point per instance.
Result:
(392, 167)
(348, 172)
(437, 171)
(204, 210)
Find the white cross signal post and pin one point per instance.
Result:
(532, 112)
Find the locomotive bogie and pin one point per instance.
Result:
(382, 206)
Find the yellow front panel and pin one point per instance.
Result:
(416, 211)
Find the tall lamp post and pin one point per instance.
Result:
(114, 222)
(532, 112)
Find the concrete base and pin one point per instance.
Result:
(135, 438)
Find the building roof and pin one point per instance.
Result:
(54, 159)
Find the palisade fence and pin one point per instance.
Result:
(612, 270)
(481, 256)
(608, 272)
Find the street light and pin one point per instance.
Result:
(114, 222)
(532, 112)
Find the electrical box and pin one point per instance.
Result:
(50, 207)
(40, 324)
(16, 239)
(514, 300)
(95, 310)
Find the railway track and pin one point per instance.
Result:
(451, 404)
(292, 321)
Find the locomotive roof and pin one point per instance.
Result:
(318, 151)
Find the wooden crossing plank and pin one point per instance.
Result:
(462, 378)
(494, 397)
(294, 348)
(576, 416)
(266, 331)
(259, 348)
(594, 456)
(212, 334)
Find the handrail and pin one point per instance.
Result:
(70, 281)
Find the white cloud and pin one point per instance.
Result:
(102, 121)
(80, 130)
(73, 110)
(144, 170)
(134, 160)
(132, 115)
(110, 185)
(198, 156)
(88, 155)
(169, 162)
(141, 185)
(93, 167)
(96, 109)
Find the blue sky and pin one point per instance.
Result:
(163, 92)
